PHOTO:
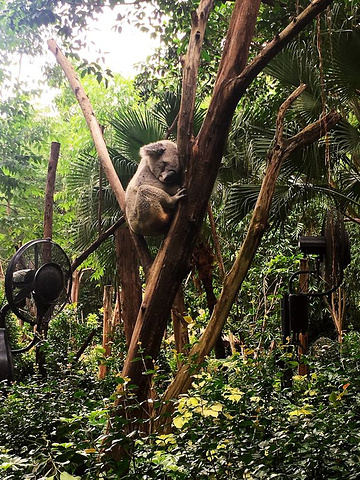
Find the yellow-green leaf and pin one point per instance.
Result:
(179, 422)
(298, 412)
(212, 410)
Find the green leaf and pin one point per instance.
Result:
(67, 476)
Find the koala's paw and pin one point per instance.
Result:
(181, 193)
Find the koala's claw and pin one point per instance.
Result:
(182, 192)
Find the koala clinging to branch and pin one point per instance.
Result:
(155, 189)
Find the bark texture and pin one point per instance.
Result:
(130, 285)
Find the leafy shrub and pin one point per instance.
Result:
(48, 426)
(237, 422)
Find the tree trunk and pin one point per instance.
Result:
(181, 334)
(130, 284)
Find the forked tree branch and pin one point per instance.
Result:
(172, 261)
(258, 224)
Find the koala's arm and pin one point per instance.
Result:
(149, 209)
(152, 194)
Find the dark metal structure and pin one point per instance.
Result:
(37, 287)
(332, 255)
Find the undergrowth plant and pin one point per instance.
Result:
(236, 422)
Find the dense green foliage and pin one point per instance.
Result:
(235, 422)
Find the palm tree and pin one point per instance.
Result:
(323, 173)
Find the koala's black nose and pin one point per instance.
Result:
(170, 177)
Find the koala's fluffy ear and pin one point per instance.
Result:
(153, 149)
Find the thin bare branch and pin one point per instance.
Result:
(81, 258)
(241, 83)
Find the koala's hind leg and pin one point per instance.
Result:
(153, 211)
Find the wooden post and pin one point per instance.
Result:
(48, 229)
(107, 330)
(75, 287)
(50, 188)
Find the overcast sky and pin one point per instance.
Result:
(121, 50)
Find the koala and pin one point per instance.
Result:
(154, 190)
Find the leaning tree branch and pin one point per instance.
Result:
(258, 224)
(92, 122)
(96, 244)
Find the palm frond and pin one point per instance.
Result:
(350, 183)
(242, 199)
(247, 147)
(293, 66)
(343, 73)
(85, 171)
(134, 129)
(308, 164)
(167, 110)
(346, 138)
(125, 167)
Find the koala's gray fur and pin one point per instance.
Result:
(155, 189)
